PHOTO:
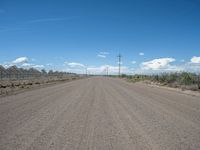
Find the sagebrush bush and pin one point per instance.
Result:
(183, 79)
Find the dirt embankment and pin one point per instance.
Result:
(8, 87)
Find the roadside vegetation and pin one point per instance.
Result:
(183, 80)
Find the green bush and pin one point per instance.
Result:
(186, 78)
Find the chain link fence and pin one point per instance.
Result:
(14, 73)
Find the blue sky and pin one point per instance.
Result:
(72, 35)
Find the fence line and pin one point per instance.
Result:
(14, 72)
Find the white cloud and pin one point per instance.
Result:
(190, 67)
(193, 65)
(99, 70)
(101, 56)
(38, 66)
(195, 59)
(111, 69)
(121, 63)
(161, 65)
(74, 70)
(74, 65)
(156, 64)
(28, 65)
(24, 63)
(133, 62)
(20, 60)
(104, 53)
(182, 60)
(6, 65)
(49, 64)
(141, 53)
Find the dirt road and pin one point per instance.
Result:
(100, 114)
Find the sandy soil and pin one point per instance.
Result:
(100, 114)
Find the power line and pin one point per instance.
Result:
(119, 61)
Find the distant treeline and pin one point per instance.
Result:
(14, 72)
(183, 80)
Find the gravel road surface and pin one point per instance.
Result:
(100, 113)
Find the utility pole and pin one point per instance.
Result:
(86, 71)
(119, 61)
(107, 70)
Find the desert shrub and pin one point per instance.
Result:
(171, 78)
(185, 80)
(123, 75)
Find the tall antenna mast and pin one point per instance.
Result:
(119, 61)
